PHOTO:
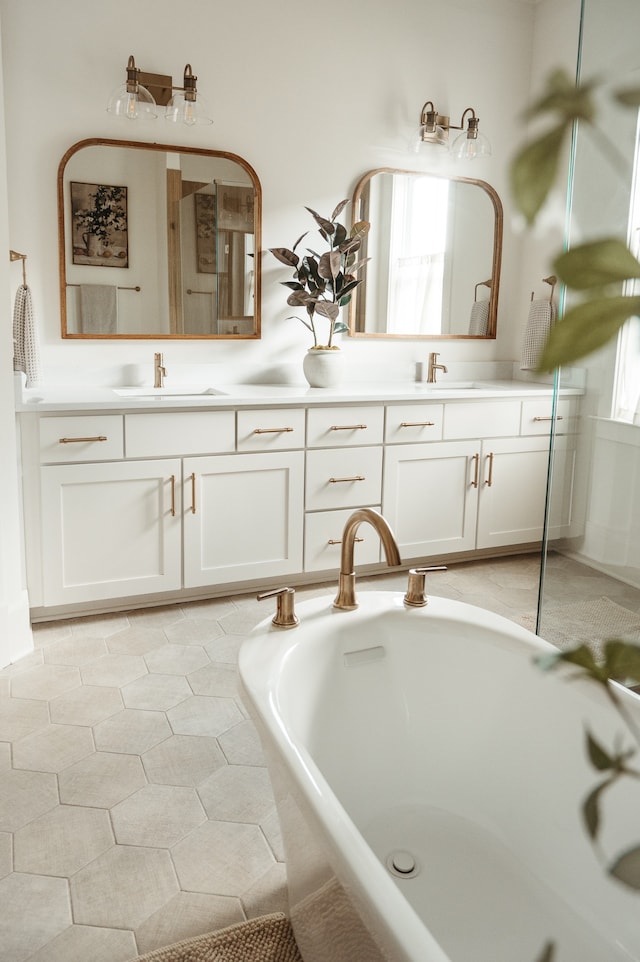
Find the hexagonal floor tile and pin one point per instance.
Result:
(123, 887)
(49, 913)
(45, 681)
(157, 617)
(86, 705)
(224, 650)
(213, 608)
(21, 716)
(238, 793)
(241, 745)
(77, 650)
(183, 760)
(188, 914)
(176, 659)
(62, 841)
(239, 856)
(132, 732)
(101, 780)
(100, 626)
(204, 715)
(89, 942)
(136, 640)
(53, 748)
(268, 894)
(157, 816)
(219, 680)
(190, 631)
(155, 691)
(24, 796)
(113, 670)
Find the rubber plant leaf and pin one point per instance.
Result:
(285, 256)
(326, 225)
(626, 868)
(534, 170)
(339, 208)
(328, 309)
(597, 264)
(565, 98)
(591, 808)
(329, 265)
(586, 328)
(598, 756)
(548, 953)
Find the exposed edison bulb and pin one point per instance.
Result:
(180, 110)
(130, 104)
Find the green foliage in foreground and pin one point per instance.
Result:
(597, 270)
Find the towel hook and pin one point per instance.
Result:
(481, 284)
(15, 256)
(552, 280)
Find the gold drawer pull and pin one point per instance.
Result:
(357, 477)
(558, 417)
(173, 495)
(193, 493)
(100, 437)
(417, 424)
(272, 430)
(476, 470)
(339, 540)
(489, 480)
(348, 427)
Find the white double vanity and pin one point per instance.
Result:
(147, 497)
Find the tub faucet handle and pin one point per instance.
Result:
(285, 616)
(415, 596)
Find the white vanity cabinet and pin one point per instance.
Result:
(138, 506)
(477, 492)
(243, 517)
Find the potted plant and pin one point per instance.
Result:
(322, 284)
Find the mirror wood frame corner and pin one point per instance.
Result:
(448, 283)
(213, 265)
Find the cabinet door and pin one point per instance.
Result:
(110, 530)
(243, 517)
(513, 483)
(430, 498)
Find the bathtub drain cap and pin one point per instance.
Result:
(402, 864)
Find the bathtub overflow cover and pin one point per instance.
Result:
(402, 864)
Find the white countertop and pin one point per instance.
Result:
(194, 397)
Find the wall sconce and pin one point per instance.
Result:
(435, 127)
(142, 93)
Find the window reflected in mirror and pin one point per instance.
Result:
(435, 249)
(178, 259)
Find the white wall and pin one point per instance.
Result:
(311, 96)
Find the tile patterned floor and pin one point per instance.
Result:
(135, 808)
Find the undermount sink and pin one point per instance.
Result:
(447, 386)
(166, 392)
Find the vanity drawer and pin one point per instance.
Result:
(278, 430)
(179, 433)
(537, 416)
(66, 439)
(343, 478)
(323, 541)
(414, 422)
(329, 427)
(481, 419)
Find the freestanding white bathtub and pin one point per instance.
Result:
(429, 781)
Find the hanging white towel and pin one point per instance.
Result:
(99, 308)
(479, 323)
(542, 314)
(26, 346)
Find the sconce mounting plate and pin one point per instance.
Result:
(159, 85)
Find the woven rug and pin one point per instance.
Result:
(589, 622)
(265, 939)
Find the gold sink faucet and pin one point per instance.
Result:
(346, 597)
(159, 371)
(433, 367)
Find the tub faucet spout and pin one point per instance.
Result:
(346, 597)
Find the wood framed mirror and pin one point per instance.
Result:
(158, 241)
(435, 245)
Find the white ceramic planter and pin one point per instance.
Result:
(323, 368)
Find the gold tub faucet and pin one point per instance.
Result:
(346, 597)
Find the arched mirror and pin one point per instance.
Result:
(435, 248)
(158, 242)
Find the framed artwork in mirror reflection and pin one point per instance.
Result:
(99, 225)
